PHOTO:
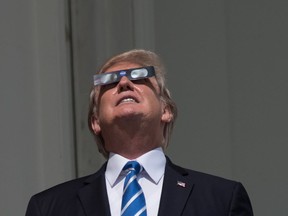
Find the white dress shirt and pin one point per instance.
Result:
(150, 179)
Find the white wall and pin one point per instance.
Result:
(36, 125)
(191, 38)
(227, 63)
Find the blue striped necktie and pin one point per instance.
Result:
(133, 200)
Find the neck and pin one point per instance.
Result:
(133, 138)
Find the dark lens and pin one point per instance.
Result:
(139, 73)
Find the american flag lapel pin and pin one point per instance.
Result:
(181, 184)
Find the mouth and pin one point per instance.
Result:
(127, 99)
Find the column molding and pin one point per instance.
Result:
(54, 93)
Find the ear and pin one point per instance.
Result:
(166, 115)
(95, 125)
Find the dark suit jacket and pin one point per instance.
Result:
(185, 192)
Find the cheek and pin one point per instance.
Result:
(106, 104)
(155, 86)
(155, 103)
(102, 107)
(103, 98)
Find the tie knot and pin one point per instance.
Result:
(133, 166)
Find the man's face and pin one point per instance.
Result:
(127, 100)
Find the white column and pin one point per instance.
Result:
(36, 110)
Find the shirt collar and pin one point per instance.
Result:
(153, 162)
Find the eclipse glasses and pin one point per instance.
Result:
(131, 74)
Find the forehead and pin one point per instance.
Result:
(122, 66)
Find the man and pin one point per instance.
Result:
(131, 115)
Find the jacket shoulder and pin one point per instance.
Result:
(207, 184)
(200, 177)
(69, 186)
(210, 194)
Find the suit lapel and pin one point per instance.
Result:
(93, 196)
(176, 190)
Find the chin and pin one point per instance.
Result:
(129, 112)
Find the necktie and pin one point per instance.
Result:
(133, 200)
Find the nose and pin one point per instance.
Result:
(125, 85)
